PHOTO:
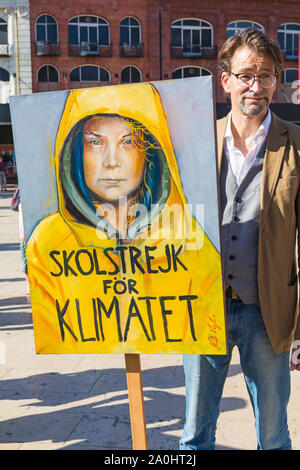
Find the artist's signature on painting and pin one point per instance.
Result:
(213, 329)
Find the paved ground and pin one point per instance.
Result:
(80, 402)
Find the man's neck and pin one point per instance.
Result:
(244, 128)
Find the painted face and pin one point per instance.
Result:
(249, 100)
(113, 164)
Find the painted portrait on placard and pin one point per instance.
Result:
(119, 258)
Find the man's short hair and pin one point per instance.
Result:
(256, 40)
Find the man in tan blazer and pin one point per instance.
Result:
(259, 181)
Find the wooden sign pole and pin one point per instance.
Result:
(136, 401)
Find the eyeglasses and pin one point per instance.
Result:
(266, 80)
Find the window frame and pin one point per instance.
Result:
(96, 25)
(90, 81)
(253, 24)
(47, 81)
(46, 32)
(3, 22)
(284, 74)
(200, 27)
(294, 34)
(130, 66)
(130, 27)
(191, 67)
(2, 69)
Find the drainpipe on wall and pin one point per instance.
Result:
(9, 11)
(17, 55)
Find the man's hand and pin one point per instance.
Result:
(295, 355)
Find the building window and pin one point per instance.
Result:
(236, 26)
(130, 32)
(4, 75)
(47, 73)
(89, 29)
(131, 74)
(289, 76)
(46, 29)
(191, 34)
(186, 72)
(288, 39)
(3, 32)
(89, 73)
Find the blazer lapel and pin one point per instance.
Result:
(276, 143)
(221, 128)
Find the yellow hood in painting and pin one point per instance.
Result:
(92, 294)
(139, 102)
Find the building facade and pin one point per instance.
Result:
(15, 52)
(15, 65)
(78, 43)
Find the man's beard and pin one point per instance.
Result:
(253, 109)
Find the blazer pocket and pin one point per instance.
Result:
(293, 281)
(286, 183)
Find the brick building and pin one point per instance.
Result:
(78, 43)
(15, 66)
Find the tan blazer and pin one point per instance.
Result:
(279, 220)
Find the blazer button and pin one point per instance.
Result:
(230, 276)
(232, 257)
(236, 219)
(234, 238)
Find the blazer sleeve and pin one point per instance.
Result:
(297, 331)
(296, 145)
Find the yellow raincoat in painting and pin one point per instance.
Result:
(158, 291)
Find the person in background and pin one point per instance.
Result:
(2, 174)
(23, 251)
(17, 207)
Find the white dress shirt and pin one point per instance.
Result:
(239, 164)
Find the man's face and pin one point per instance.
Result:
(249, 100)
(113, 165)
